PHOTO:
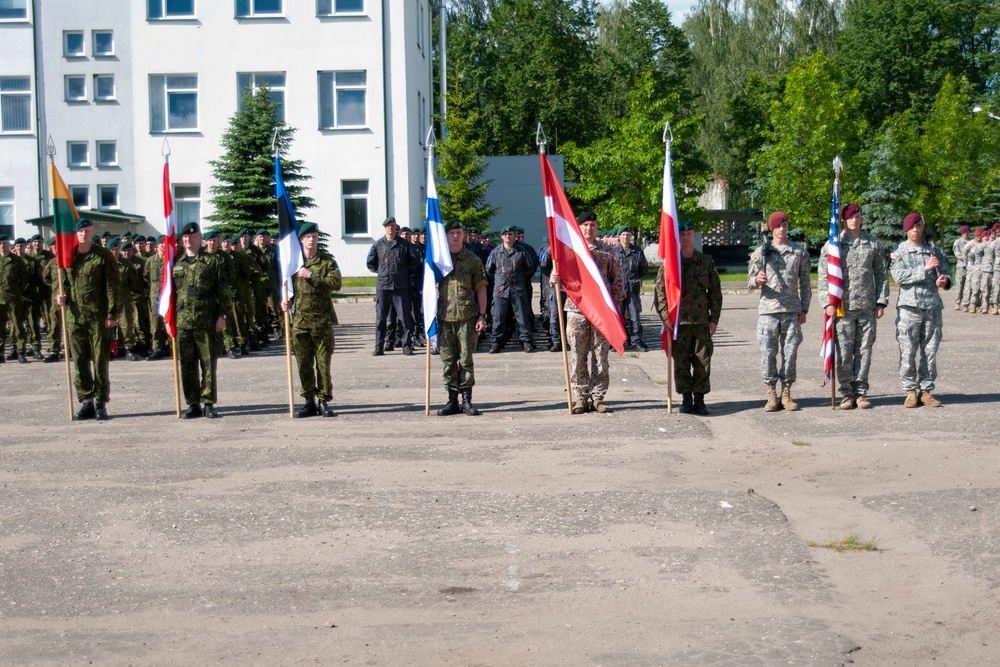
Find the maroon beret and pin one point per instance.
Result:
(978, 233)
(964, 229)
(776, 219)
(850, 211)
(910, 220)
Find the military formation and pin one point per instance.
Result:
(977, 270)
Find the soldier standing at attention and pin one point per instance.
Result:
(212, 245)
(921, 270)
(90, 292)
(866, 294)
(29, 294)
(202, 303)
(461, 318)
(50, 276)
(958, 248)
(701, 304)
(313, 286)
(781, 270)
(394, 261)
(634, 267)
(12, 281)
(973, 279)
(153, 268)
(511, 266)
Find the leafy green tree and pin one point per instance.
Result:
(888, 195)
(621, 177)
(462, 191)
(245, 195)
(812, 123)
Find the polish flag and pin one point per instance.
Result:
(580, 276)
(669, 251)
(166, 303)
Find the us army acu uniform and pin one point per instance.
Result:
(973, 259)
(995, 288)
(986, 296)
(958, 249)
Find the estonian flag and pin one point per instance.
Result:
(289, 248)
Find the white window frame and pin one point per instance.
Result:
(329, 8)
(7, 210)
(161, 11)
(104, 98)
(336, 88)
(82, 97)
(252, 12)
(160, 84)
(83, 44)
(106, 54)
(101, 189)
(97, 153)
(254, 86)
(6, 94)
(12, 19)
(186, 199)
(69, 154)
(366, 197)
(73, 190)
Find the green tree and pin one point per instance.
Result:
(621, 177)
(812, 123)
(888, 195)
(245, 195)
(462, 191)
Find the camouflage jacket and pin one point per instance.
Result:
(153, 270)
(611, 271)
(917, 286)
(866, 276)
(457, 292)
(986, 263)
(13, 277)
(974, 254)
(788, 289)
(958, 248)
(701, 291)
(92, 287)
(314, 296)
(244, 269)
(50, 276)
(202, 290)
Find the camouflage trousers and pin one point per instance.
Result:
(970, 296)
(90, 348)
(995, 288)
(128, 325)
(918, 333)
(198, 350)
(53, 328)
(986, 293)
(158, 333)
(314, 347)
(456, 343)
(692, 357)
(779, 336)
(32, 324)
(588, 359)
(9, 315)
(855, 340)
(960, 279)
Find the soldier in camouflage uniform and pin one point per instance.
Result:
(41, 308)
(461, 317)
(153, 269)
(313, 286)
(90, 292)
(13, 279)
(958, 249)
(921, 270)
(29, 296)
(202, 303)
(701, 304)
(213, 243)
(50, 276)
(866, 294)
(973, 260)
(634, 267)
(132, 290)
(781, 270)
(995, 287)
(242, 303)
(986, 295)
(588, 360)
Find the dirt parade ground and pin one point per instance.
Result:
(525, 536)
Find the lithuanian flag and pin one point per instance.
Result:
(64, 217)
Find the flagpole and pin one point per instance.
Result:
(51, 150)
(288, 353)
(177, 376)
(670, 374)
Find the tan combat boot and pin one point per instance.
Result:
(862, 402)
(601, 406)
(911, 399)
(928, 400)
(786, 398)
(772, 404)
(580, 407)
(847, 403)
(958, 306)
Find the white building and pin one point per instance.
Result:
(109, 80)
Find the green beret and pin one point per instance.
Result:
(308, 228)
(509, 228)
(159, 239)
(686, 226)
(19, 240)
(406, 229)
(225, 237)
(4, 237)
(125, 244)
(453, 224)
(419, 230)
(84, 222)
(51, 241)
(260, 232)
(388, 221)
(210, 234)
(36, 237)
(138, 237)
(243, 232)
(105, 235)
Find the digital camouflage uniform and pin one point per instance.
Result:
(202, 297)
(141, 304)
(12, 284)
(958, 249)
(973, 257)
(701, 305)
(588, 355)
(91, 286)
(458, 311)
(995, 288)
(918, 318)
(986, 296)
(782, 300)
(243, 298)
(130, 290)
(866, 286)
(312, 326)
(230, 335)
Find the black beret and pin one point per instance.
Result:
(191, 228)
(586, 216)
(686, 226)
(453, 224)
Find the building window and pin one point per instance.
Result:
(355, 207)
(420, 24)
(342, 99)
(72, 43)
(13, 10)
(77, 154)
(76, 88)
(421, 119)
(107, 154)
(80, 195)
(7, 211)
(107, 196)
(104, 87)
(170, 9)
(173, 103)
(335, 7)
(254, 81)
(187, 204)
(15, 104)
(251, 8)
(104, 43)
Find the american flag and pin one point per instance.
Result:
(835, 278)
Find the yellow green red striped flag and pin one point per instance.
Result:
(64, 219)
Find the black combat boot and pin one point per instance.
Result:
(100, 412)
(193, 412)
(326, 410)
(378, 351)
(210, 412)
(467, 406)
(699, 405)
(307, 410)
(451, 407)
(53, 356)
(86, 411)
(687, 407)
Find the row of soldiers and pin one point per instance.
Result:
(28, 286)
(977, 270)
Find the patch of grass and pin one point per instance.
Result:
(850, 543)
(359, 281)
(660, 381)
(627, 391)
(801, 443)
(634, 355)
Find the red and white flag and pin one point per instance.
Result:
(579, 274)
(166, 303)
(670, 252)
